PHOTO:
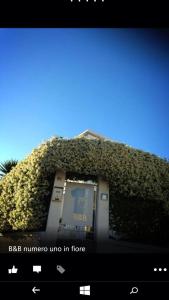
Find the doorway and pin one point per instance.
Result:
(78, 210)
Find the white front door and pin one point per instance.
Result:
(77, 214)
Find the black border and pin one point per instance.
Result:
(64, 13)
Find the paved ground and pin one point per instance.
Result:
(23, 240)
(112, 246)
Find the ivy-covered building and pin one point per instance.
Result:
(87, 187)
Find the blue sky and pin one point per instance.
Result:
(63, 81)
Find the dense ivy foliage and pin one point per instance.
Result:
(139, 185)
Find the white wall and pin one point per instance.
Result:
(102, 211)
(56, 207)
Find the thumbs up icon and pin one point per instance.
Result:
(13, 270)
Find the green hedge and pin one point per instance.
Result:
(139, 185)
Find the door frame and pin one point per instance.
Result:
(89, 231)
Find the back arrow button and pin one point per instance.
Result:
(35, 290)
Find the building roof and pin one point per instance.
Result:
(89, 134)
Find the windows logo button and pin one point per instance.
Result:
(84, 290)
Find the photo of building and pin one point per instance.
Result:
(95, 100)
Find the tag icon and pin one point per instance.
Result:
(60, 269)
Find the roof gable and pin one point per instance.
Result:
(89, 134)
